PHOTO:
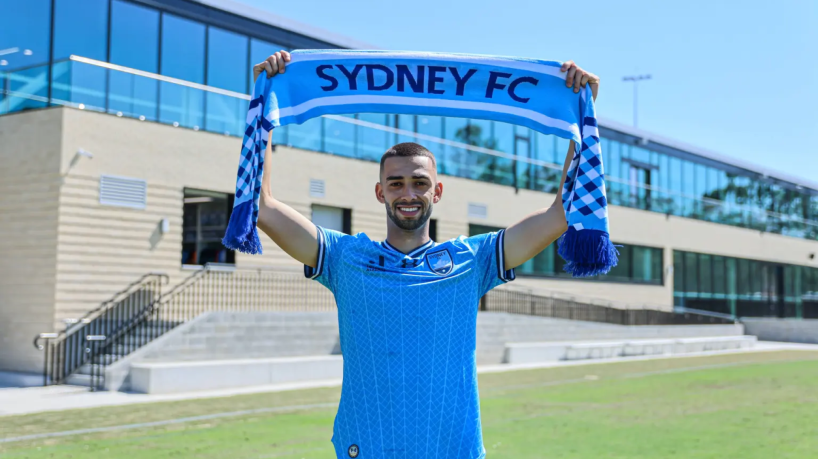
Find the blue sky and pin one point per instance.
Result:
(738, 78)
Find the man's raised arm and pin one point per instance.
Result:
(293, 232)
(535, 232)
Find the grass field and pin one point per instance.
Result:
(759, 405)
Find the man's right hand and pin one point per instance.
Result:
(272, 65)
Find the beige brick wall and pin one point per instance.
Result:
(29, 190)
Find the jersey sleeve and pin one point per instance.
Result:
(488, 254)
(329, 244)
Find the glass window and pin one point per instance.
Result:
(372, 142)
(691, 273)
(134, 43)
(205, 218)
(688, 187)
(24, 33)
(340, 138)
(183, 57)
(719, 271)
(457, 129)
(405, 123)
(259, 51)
(743, 277)
(24, 48)
(705, 274)
(640, 154)
(678, 271)
(81, 28)
(622, 270)
(227, 68)
(433, 126)
(647, 264)
(308, 135)
(134, 36)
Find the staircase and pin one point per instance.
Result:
(141, 313)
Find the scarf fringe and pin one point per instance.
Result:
(587, 252)
(241, 233)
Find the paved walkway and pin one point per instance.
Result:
(14, 401)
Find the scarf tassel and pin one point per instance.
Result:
(241, 231)
(587, 252)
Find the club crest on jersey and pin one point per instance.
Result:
(440, 262)
(353, 451)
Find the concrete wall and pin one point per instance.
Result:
(788, 330)
(29, 196)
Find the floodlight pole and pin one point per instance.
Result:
(635, 79)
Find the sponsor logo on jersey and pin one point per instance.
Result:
(440, 262)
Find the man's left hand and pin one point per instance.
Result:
(578, 78)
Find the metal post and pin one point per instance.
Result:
(635, 79)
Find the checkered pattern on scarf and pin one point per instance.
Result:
(251, 164)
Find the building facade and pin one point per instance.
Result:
(120, 124)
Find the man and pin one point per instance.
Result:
(407, 306)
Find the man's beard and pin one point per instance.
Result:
(409, 225)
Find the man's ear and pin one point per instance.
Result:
(438, 193)
(379, 193)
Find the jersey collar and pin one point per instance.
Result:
(413, 253)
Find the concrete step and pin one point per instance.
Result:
(172, 377)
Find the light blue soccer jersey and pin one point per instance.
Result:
(408, 324)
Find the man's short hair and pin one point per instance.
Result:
(408, 149)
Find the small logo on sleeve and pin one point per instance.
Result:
(353, 451)
(440, 262)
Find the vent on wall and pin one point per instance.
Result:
(317, 189)
(478, 210)
(123, 192)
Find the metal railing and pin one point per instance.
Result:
(213, 288)
(70, 349)
(528, 303)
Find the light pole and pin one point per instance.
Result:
(635, 79)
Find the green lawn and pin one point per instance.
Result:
(760, 405)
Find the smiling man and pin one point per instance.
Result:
(407, 306)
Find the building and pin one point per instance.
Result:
(120, 124)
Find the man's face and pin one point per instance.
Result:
(409, 188)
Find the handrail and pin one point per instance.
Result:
(99, 309)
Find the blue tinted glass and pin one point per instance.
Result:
(134, 43)
(259, 51)
(688, 186)
(433, 127)
(307, 135)
(640, 154)
(24, 43)
(79, 83)
(24, 33)
(456, 129)
(405, 123)
(373, 142)
(81, 28)
(339, 137)
(227, 68)
(227, 64)
(544, 148)
(134, 36)
(504, 137)
(183, 49)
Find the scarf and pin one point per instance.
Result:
(527, 92)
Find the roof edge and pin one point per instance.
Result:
(708, 154)
(285, 23)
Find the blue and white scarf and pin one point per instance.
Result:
(527, 92)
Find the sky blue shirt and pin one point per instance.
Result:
(407, 325)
